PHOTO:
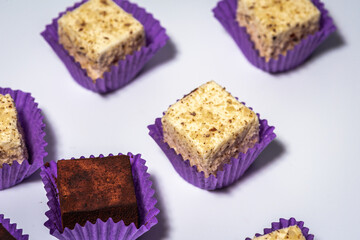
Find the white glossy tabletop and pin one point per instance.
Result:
(310, 172)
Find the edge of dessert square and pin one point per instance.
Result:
(102, 230)
(231, 172)
(284, 223)
(125, 70)
(31, 120)
(225, 13)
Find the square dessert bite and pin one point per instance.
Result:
(289, 233)
(276, 26)
(4, 234)
(95, 188)
(209, 126)
(98, 34)
(12, 144)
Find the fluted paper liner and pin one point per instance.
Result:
(11, 228)
(103, 230)
(231, 172)
(225, 12)
(284, 223)
(32, 124)
(125, 70)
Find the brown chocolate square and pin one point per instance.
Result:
(96, 188)
(4, 234)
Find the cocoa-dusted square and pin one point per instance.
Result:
(95, 188)
(4, 234)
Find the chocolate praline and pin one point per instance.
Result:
(96, 188)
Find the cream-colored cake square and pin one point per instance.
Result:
(290, 233)
(98, 34)
(276, 26)
(209, 126)
(12, 145)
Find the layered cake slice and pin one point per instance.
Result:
(98, 34)
(96, 188)
(209, 126)
(12, 144)
(289, 233)
(276, 26)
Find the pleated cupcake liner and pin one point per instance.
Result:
(231, 172)
(11, 228)
(225, 12)
(284, 223)
(103, 230)
(125, 70)
(33, 127)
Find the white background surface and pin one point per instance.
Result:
(309, 172)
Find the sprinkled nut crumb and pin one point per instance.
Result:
(270, 23)
(12, 145)
(209, 126)
(289, 233)
(106, 32)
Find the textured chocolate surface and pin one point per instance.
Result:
(96, 188)
(4, 234)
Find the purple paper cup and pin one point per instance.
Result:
(231, 172)
(11, 228)
(32, 124)
(225, 12)
(283, 223)
(125, 70)
(103, 230)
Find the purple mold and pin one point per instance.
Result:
(31, 121)
(109, 229)
(284, 223)
(125, 70)
(225, 12)
(11, 228)
(231, 172)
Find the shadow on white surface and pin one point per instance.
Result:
(161, 229)
(167, 53)
(270, 154)
(334, 41)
